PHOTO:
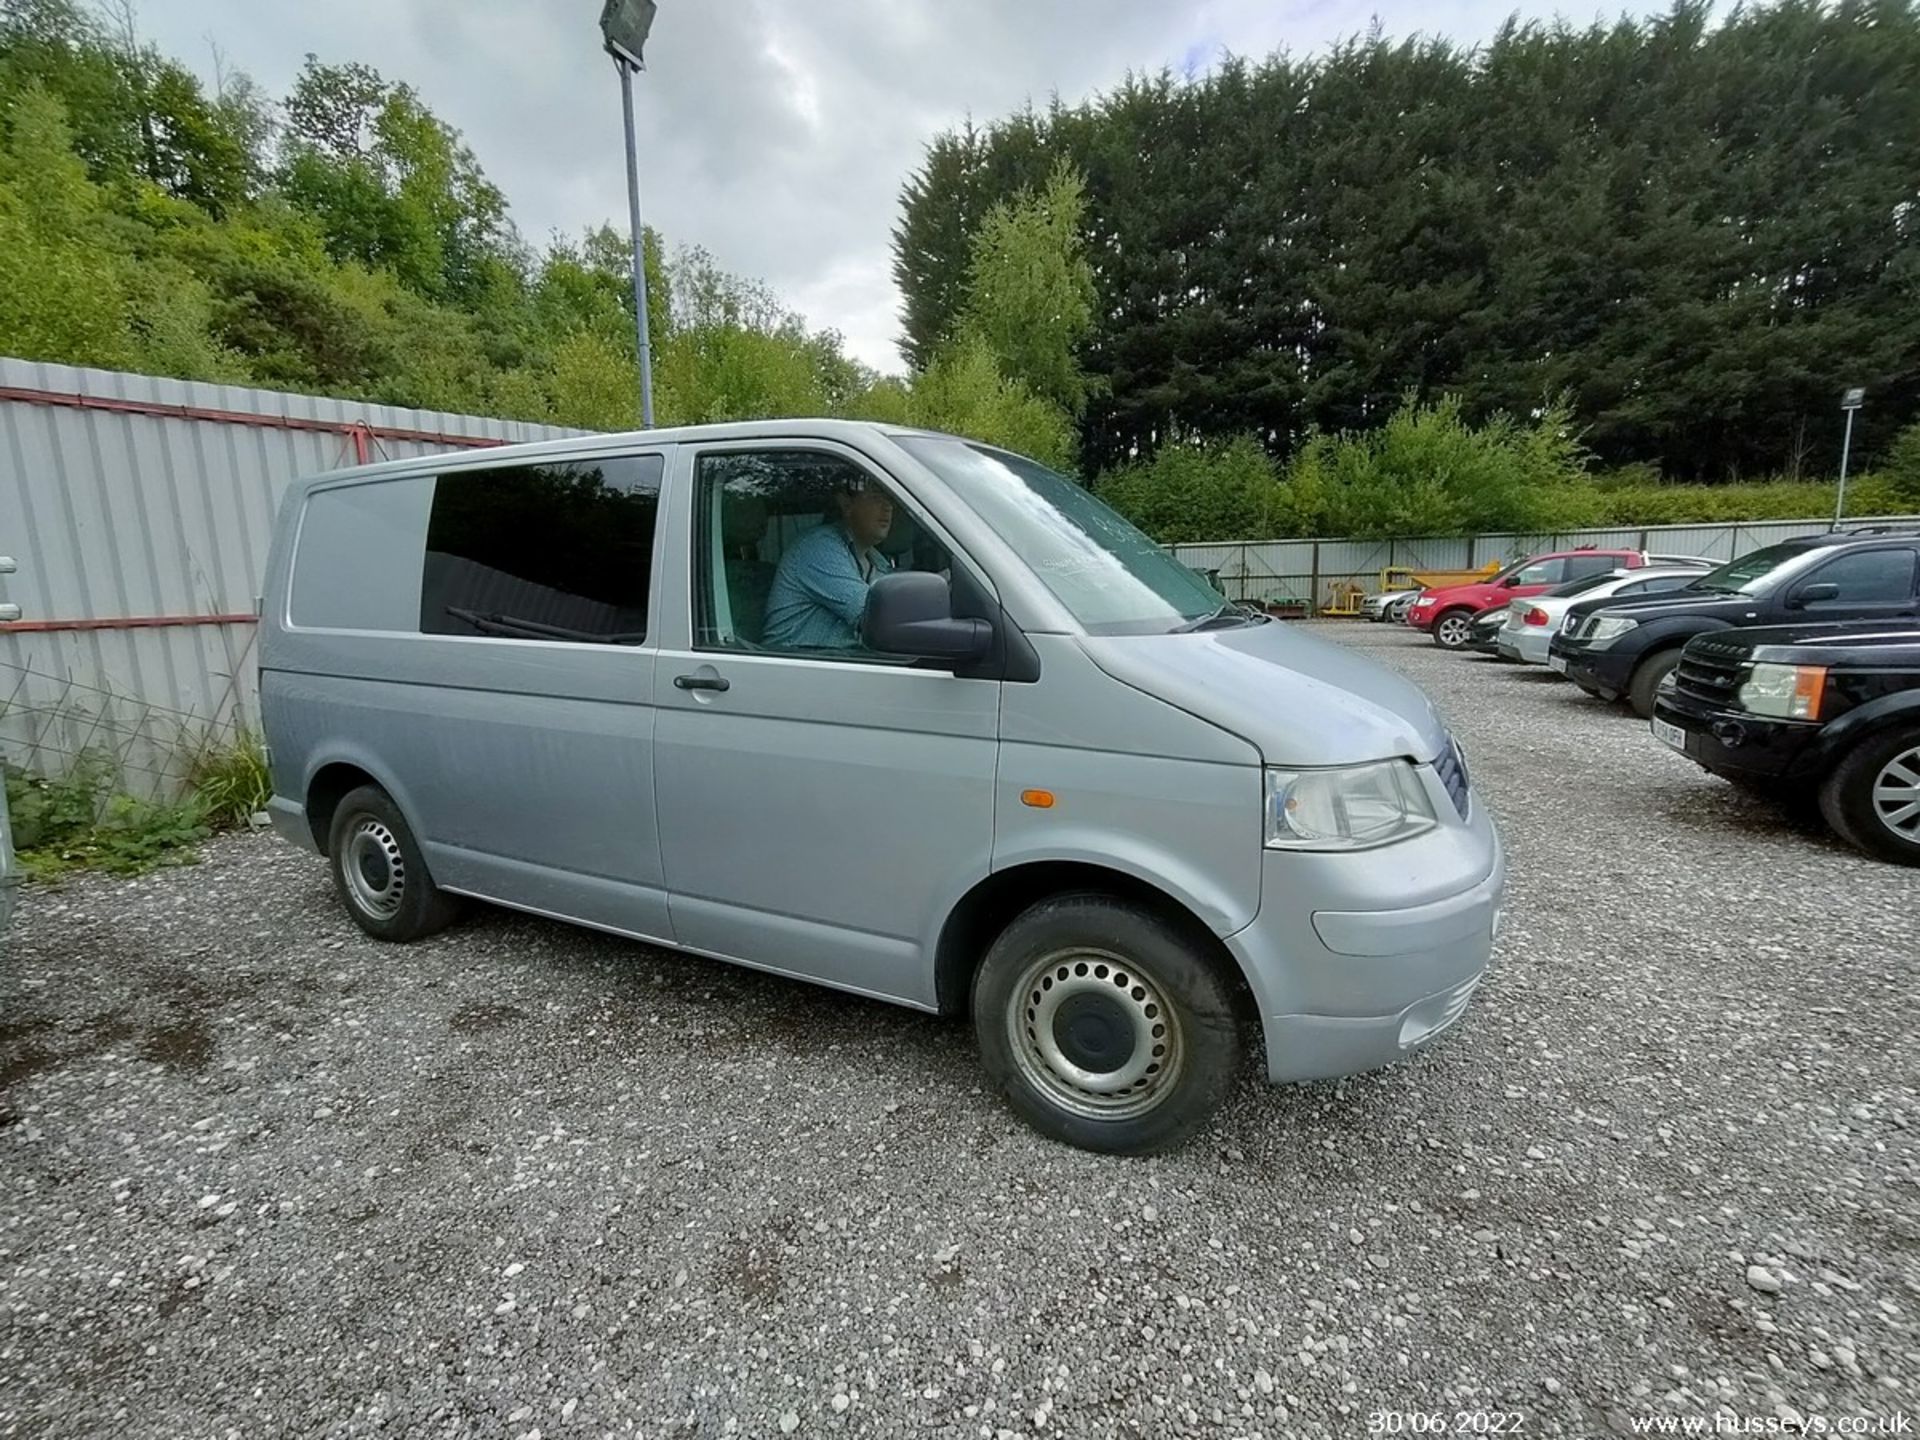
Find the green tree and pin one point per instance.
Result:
(1699, 231)
(391, 185)
(963, 391)
(1030, 289)
(63, 295)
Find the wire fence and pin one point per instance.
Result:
(51, 724)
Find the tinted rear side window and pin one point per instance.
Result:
(1580, 566)
(543, 552)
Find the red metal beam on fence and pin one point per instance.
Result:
(359, 430)
(123, 622)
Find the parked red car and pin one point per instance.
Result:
(1447, 612)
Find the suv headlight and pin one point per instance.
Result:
(1609, 628)
(1355, 807)
(1784, 692)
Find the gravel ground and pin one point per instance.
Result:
(264, 1176)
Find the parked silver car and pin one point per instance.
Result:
(886, 710)
(1530, 623)
(1388, 605)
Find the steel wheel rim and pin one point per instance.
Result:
(1121, 996)
(375, 869)
(1896, 795)
(1454, 630)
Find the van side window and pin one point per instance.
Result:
(543, 552)
(786, 543)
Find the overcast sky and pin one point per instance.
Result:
(776, 135)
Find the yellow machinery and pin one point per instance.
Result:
(1403, 577)
(1346, 598)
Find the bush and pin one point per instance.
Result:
(1427, 472)
(962, 391)
(77, 822)
(1901, 472)
(80, 821)
(1199, 492)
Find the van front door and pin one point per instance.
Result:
(819, 804)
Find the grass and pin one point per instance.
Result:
(231, 781)
(82, 820)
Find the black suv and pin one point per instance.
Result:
(1612, 648)
(1798, 710)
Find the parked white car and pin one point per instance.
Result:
(1531, 622)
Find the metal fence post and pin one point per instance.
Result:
(9, 878)
(1313, 584)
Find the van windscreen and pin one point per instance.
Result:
(1109, 575)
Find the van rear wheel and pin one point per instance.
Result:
(1104, 1026)
(379, 872)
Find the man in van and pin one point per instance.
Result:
(819, 592)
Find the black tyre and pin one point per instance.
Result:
(1105, 1026)
(379, 872)
(1452, 629)
(1647, 675)
(1872, 798)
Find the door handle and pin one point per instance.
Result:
(701, 682)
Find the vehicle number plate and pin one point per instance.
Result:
(1557, 662)
(1672, 734)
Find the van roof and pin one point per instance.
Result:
(594, 441)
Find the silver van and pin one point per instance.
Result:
(888, 710)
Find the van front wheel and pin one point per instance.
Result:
(1104, 1026)
(379, 872)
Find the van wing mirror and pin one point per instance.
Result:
(1813, 594)
(911, 613)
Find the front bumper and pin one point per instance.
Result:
(1527, 643)
(1741, 745)
(1422, 619)
(1357, 960)
(1605, 673)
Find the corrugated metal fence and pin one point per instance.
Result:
(1311, 571)
(140, 510)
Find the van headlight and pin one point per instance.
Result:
(1783, 692)
(1609, 628)
(1355, 807)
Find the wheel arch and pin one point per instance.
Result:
(330, 783)
(980, 915)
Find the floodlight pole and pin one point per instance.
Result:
(626, 69)
(1850, 403)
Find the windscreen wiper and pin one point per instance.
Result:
(512, 626)
(1226, 617)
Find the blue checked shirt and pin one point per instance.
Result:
(820, 592)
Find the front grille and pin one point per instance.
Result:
(1705, 677)
(1451, 766)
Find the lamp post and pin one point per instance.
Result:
(1849, 402)
(624, 25)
